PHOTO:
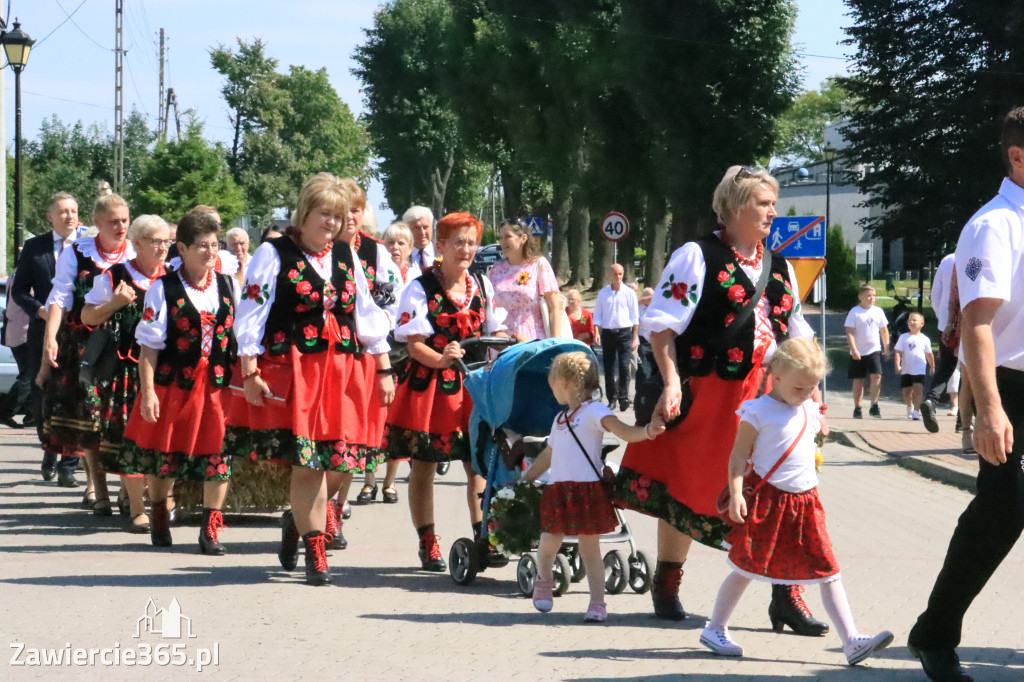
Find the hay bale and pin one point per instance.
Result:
(255, 486)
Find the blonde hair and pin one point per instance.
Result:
(106, 203)
(916, 314)
(321, 189)
(800, 354)
(395, 231)
(865, 288)
(145, 226)
(579, 370)
(59, 197)
(733, 193)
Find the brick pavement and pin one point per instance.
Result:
(67, 577)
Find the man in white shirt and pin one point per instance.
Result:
(947, 358)
(616, 321)
(990, 279)
(420, 220)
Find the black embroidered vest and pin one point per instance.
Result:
(87, 272)
(297, 315)
(183, 349)
(449, 325)
(700, 349)
(124, 321)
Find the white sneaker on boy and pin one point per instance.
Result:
(916, 416)
(861, 646)
(719, 641)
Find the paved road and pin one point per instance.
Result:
(68, 579)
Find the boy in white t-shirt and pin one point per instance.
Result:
(913, 359)
(867, 333)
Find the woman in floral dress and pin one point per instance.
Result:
(116, 303)
(429, 420)
(72, 411)
(187, 348)
(521, 280)
(704, 285)
(313, 356)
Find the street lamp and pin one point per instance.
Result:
(830, 156)
(17, 46)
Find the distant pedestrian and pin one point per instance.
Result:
(781, 537)
(990, 279)
(942, 380)
(580, 319)
(617, 320)
(914, 359)
(575, 501)
(867, 333)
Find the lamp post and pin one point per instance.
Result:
(17, 46)
(830, 156)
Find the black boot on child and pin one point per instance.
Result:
(160, 525)
(317, 572)
(288, 555)
(665, 590)
(788, 608)
(209, 543)
(430, 550)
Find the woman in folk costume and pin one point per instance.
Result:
(313, 355)
(176, 428)
(705, 287)
(116, 303)
(429, 421)
(72, 410)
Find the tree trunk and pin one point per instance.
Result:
(601, 258)
(654, 238)
(512, 188)
(439, 185)
(691, 219)
(560, 234)
(579, 242)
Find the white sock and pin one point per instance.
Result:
(728, 597)
(838, 608)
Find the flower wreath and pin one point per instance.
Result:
(513, 522)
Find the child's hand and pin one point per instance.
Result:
(657, 425)
(737, 509)
(824, 426)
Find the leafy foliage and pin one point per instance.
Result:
(801, 128)
(841, 282)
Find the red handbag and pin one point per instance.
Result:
(752, 482)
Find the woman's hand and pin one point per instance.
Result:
(737, 508)
(50, 352)
(124, 295)
(386, 389)
(452, 351)
(255, 388)
(521, 338)
(671, 397)
(42, 375)
(150, 406)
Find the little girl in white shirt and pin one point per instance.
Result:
(575, 502)
(781, 538)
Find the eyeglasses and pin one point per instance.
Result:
(744, 173)
(463, 243)
(210, 246)
(159, 243)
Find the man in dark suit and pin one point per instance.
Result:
(35, 272)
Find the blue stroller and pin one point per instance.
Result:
(513, 408)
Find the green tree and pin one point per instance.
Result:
(801, 128)
(841, 282)
(933, 78)
(185, 173)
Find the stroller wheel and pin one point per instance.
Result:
(639, 573)
(462, 561)
(578, 570)
(616, 572)
(561, 573)
(526, 572)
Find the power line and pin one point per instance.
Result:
(66, 20)
(73, 23)
(134, 85)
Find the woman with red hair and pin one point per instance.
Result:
(429, 420)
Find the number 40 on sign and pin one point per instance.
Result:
(615, 226)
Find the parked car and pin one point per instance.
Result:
(8, 368)
(486, 256)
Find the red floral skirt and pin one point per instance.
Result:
(430, 410)
(333, 397)
(692, 460)
(576, 508)
(191, 421)
(784, 539)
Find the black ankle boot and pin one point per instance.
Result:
(159, 525)
(209, 543)
(335, 538)
(788, 608)
(665, 590)
(430, 553)
(288, 555)
(317, 571)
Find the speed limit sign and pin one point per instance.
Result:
(615, 226)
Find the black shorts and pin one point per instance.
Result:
(908, 380)
(868, 364)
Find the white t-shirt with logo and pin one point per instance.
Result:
(915, 349)
(867, 324)
(778, 425)
(567, 460)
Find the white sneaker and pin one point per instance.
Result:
(861, 646)
(910, 414)
(720, 642)
(916, 416)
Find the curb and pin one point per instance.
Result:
(921, 465)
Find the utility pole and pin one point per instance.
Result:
(172, 101)
(161, 125)
(119, 97)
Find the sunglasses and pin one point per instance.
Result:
(744, 173)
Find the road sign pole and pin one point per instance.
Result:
(824, 299)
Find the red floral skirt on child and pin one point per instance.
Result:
(576, 508)
(783, 540)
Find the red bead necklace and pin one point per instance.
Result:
(319, 255)
(159, 270)
(111, 256)
(199, 287)
(751, 262)
(462, 303)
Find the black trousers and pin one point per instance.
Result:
(936, 385)
(34, 360)
(617, 346)
(984, 535)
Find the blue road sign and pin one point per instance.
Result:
(798, 236)
(536, 226)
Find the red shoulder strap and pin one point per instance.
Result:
(787, 453)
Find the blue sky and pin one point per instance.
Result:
(71, 71)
